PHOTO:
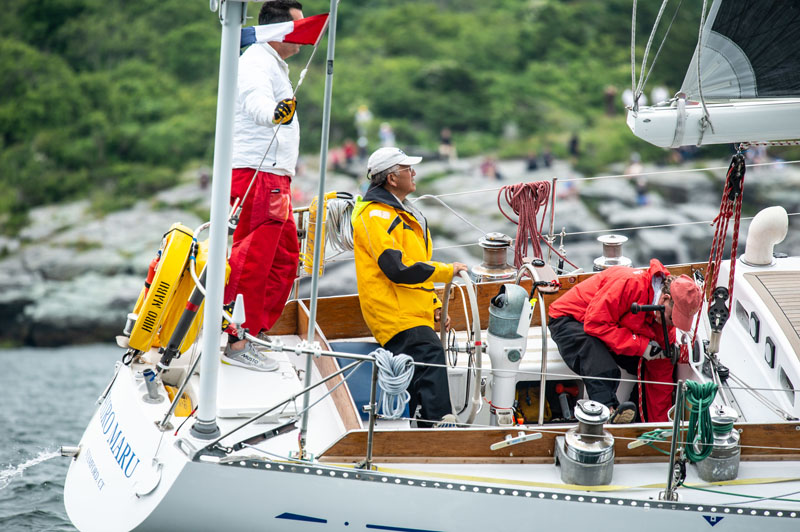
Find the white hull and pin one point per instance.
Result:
(309, 498)
(248, 491)
(740, 121)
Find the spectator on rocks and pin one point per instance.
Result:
(634, 172)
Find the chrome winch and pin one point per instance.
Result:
(723, 462)
(495, 265)
(612, 253)
(586, 452)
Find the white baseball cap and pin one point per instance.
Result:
(384, 158)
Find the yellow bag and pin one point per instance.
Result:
(528, 404)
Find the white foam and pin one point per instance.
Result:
(12, 472)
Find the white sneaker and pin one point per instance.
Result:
(249, 357)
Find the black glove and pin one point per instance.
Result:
(654, 352)
(284, 111)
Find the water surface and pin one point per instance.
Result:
(47, 397)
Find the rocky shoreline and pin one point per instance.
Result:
(72, 276)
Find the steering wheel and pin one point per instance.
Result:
(475, 402)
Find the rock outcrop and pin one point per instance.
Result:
(72, 276)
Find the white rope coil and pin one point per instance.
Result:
(394, 376)
(339, 225)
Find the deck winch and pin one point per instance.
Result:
(723, 462)
(612, 253)
(510, 313)
(586, 452)
(495, 265)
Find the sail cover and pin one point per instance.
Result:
(749, 50)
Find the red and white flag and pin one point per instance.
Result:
(304, 31)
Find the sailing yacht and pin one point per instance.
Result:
(183, 442)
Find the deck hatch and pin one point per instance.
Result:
(780, 291)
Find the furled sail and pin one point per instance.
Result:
(749, 50)
(749, 80)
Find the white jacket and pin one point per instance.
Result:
(263, 82)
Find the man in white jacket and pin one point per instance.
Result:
(265, 249)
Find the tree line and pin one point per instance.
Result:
(111, 100)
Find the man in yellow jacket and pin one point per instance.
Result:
(395, 276)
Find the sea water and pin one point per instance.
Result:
(47, 397)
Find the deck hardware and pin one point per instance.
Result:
(521, 437)
(669, 494)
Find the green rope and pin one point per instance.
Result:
(760, 497)
(657, 435)
(700, 435)
(723, 429)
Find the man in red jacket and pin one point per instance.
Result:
(596, 332)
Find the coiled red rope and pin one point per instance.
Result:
(526, 200)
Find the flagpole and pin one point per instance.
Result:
(231, 16)
(323, 165)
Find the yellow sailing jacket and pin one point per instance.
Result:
(394, 269)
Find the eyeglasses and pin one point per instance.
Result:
(409, 168)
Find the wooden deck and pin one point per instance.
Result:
(760, 441)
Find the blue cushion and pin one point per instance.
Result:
(361, 381)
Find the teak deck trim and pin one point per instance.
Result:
(472, 445)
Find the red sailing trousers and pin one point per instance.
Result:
(265, 249)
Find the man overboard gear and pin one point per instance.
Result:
(395, 277)
(597, 333)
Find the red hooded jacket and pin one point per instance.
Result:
(603, 304)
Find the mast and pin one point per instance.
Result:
(323, 165)
(231, 16)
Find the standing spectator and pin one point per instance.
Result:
(547, 157)
(363, 119)
(659, 94)
(634, 172)
(610, 100)
(532, 161)
(446, 148)
(489, 169)
(386, 135)
(350, 150)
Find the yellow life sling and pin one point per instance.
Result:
(178, 304)
(153, 302)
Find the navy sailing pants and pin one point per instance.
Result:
(429, 387)
(589, 356)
